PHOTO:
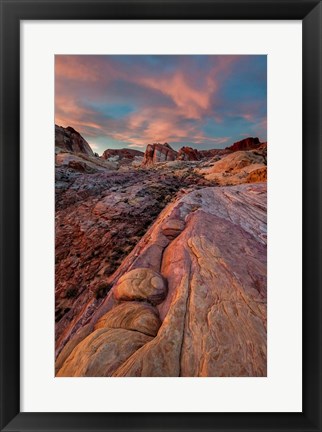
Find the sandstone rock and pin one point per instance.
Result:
(214, 316)
(83, 163)
(102, 352)
(99, 220)
(137, 316)
(245, 144)
(189, 154)
(237, 168)
(157, 152)
(71, 140)
(111, 223)
(171, 228)
(124, 155)
(71, 344)
(141, 284)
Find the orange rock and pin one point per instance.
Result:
(137, 316)
(172, 228)
(102, 352)
(141, 284)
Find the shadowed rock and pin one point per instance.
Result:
(71, 140)
(249, 143)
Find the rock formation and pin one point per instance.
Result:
(189, 154)
(70, 140)
(213, 319)
(100, 216)
(160, 271)
(245, 144)
(83, 163)
(157, 152)
(238, 167)
(121, 154)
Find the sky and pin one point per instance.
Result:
(129, 101)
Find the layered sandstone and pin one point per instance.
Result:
(210, 249)
(237, 168)
(157, 152)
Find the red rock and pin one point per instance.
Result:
(237, 168)
(120, 154)
(245, 144)
(141, 284)
(157, 152)
(189, 154)
(100, 353)
(214, 315)
(71, 140)
(132, 315)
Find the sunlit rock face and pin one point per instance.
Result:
(213, 318)
(238, 167)
(157, 152)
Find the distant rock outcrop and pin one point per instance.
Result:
(189, 154)
(70, 140)
(245, 144)
(238, 167)
(157, 152)
(120, 154)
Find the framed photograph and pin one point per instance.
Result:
(160, 215)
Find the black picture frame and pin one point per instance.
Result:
(12, 12)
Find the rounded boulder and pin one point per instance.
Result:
(141, 284)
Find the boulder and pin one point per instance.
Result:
(138, 316)
(141, 284)
(100, 353)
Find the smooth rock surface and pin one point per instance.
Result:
(214, 317)
(141, 284)
(102, 352)
(137, 316)
(172, 228)
(238, 168)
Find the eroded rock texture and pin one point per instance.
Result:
(71, 140)
(237, 168)
(157, 152)
(245, 144)
(213, 319)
